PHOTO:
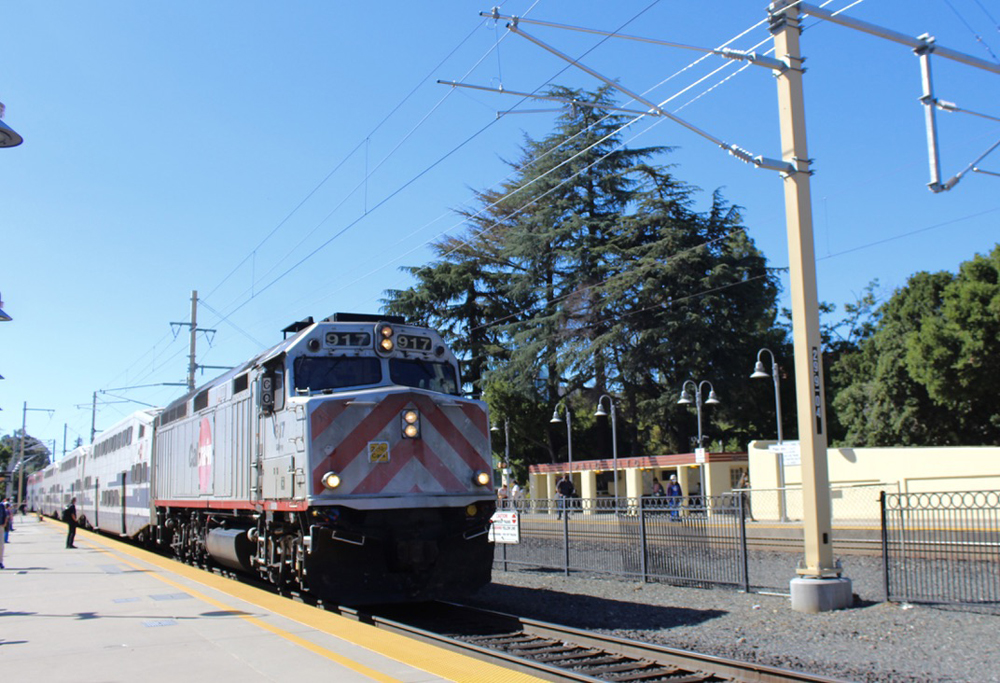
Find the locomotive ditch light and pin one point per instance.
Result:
(411, 424)
(331, 480)
(386, 345)
(471, 510)
(481, 478)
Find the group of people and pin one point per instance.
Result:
(674, 494)
(7, 524)
(511, 497)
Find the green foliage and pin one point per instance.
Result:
(36, 457)
(925, 375)
(589, 272)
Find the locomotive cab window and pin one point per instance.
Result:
(424, 374)
(324, 373)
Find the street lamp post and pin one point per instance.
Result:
(760, 373)
(614, 436)
(505, 470)
(711, 400)
(569, 431)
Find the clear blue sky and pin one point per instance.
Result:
(224, 147)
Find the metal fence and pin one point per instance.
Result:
(853, 504)
(683, 541)
(942, 547)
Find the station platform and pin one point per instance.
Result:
(111, 612)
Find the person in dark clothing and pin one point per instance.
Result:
(674, 496)
(3, 524)
(69, 516)
(566, 491)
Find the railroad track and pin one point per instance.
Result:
(562, 653)
(549, 651)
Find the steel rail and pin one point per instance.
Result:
(568, 653)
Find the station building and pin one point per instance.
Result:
(712, 474)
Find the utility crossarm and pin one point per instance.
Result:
(654, 109)
(924, 46)
(728, 53)
(951, 182)
(922, 42)
(551, 98)
(952, 107)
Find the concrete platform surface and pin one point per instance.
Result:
(108, 612)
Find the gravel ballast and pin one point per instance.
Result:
(872, 641)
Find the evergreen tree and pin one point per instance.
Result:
(590, 272)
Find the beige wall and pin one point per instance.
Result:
(858, 474)
(914, 470)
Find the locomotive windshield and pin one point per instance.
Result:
(423, 374)
(319, 374)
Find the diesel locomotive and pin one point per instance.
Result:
(343, 461)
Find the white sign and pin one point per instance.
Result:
(505, 527)
(699, 456)
(791, 455)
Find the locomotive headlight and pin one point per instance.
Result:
(331, 480)
(482, 478)
(383, 338)
(411, 424)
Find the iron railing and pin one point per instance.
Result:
(942, 547)
(683, 541)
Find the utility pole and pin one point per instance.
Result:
(193, 325)
(20, 462)
(820, 587)
(192, 362)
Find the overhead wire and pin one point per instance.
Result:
(307, 197)
(978, 38)
(399, 189)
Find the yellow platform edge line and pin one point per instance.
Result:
(440, 662)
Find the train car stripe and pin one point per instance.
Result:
(355, 444)
(325, 414)
(451, 433)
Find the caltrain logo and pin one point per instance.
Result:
(205, 456)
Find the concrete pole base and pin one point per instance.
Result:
(821, 595)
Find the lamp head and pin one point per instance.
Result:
(495, 428)
(555, 417)
(601, 412)
(759, 372)
(712, 398)
(685, 398)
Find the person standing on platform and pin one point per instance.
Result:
(674, 496)
(502, 496)
(516, 494)
(8, 525)
(744, 487)
(566, 491)
(69, 516)
(3, 525)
